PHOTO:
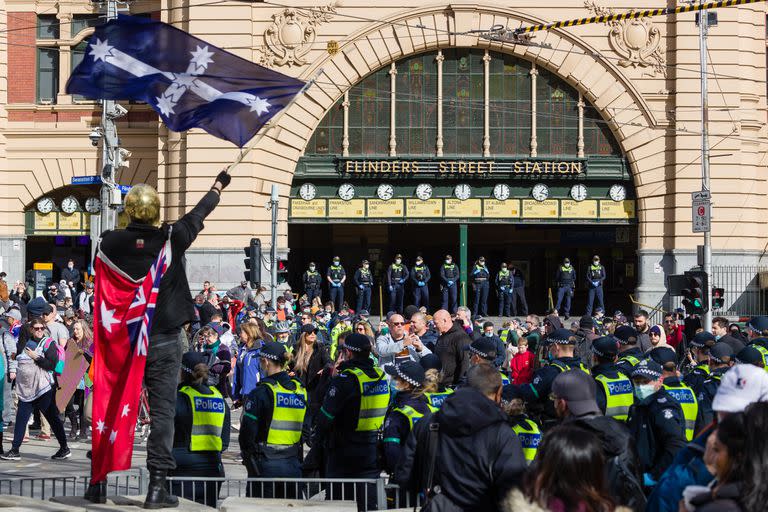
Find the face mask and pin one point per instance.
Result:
(311, 267)
(70, 266)
(718, 336)
(398, 261)
(336, 262)
(595, 261)
(419, 262)
(482, 262)
(503, 267)
(488, 334)
(365, 267)
(643, 391)
(447, 262)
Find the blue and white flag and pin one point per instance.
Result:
(189, 82)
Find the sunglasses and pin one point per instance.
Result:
(398, 323)
(361, 329)
(38, 328)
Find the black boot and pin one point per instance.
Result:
(96, 493)
(74, 426)
(157, 494)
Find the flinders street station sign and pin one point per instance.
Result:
(356, 167)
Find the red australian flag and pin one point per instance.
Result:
(122, 322)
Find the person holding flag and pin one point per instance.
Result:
(141, 288)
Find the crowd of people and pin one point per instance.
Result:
(604, 413)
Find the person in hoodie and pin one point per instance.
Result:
(407, 408)
(480, 457)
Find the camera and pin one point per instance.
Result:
(116, 111)
(95, 136)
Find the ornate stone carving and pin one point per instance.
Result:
(636, 40)
(290, 36)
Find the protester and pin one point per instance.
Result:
(247, 372)
(309, 359)
(450, 347)
(82, 337)
(522, 363)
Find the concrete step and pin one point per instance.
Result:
(10, 503)
(121, 503)
(275, 505)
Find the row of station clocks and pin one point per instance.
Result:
(69, 204)
(463, 191)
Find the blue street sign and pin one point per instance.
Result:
(96, 180)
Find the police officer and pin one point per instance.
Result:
(518, 291)
(435, 392)
(682, 394)
(614, 389)
(407, 408)
(351, 415)
(700, 345)
(595, 278)
(504, 287)
(629, 353)
(565, 279)
(336, 275)
(201, 433)
(479, 278)
(420, 276)
(270, 432)
(720, 361)
(363, 280)
(312, 282)
(449, 284)
(483, 350)
(397, 275)
(655, 421)
(527, 430)
(561, 344)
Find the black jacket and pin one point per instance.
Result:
(174, 302)
(728, 499)
(310, 378)
(450, 349)
(479, 457)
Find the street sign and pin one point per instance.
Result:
(701, 211)
(96, 180)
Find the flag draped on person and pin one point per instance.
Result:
(122, 322)
(189, 82)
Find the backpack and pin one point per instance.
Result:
(623, 483)
(60, 352)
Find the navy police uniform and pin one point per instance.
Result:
(312, 281)
(566, 282)
(480, 277)
(449, 285)
(504, 282)
(363, 280)
(595, 278)
(420, 276)
(336, 276)
(397, 275)
(518, 292)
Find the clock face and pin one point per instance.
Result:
(69, 205)
(93, 205)
(346, 191)
(618, 192)
(501, 192)
(462, 191)
(45, 205)
(385, 191)
(424, 191)
(307, 191)
(540, 192)
(579, 192)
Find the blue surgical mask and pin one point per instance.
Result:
(643, 391)
(550, 356)
(488, 334)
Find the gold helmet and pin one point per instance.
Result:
(142, 204)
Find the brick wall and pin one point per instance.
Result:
(22, 59)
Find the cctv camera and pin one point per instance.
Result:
(95, 136)
(116, 111)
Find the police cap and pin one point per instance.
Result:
(562, 337)
(647, 368)
(700, 339)
(431, 362)
(758, 323)
(398, 255)
(749, 355)
(191, 359)
(721, 353)
(626, 335)
(663, 355)
(483, 347)
(357, 342)
(606, 346)
(274, 351)
(409, 371)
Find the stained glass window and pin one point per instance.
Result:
(369, 115)
(598, 139)
(463, 102)
(510, 105)
(416, 105)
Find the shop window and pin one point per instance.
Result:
(557, 116)
(510, 105)
(47, 75)
(77, 54)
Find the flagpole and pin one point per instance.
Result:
(272, 122)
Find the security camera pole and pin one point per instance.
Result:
(108, 148)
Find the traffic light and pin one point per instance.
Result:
(718, 298)
(253, 262)
(282, 270)
(695, 293)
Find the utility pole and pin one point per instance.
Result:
(703, 26)
(273, 207)
(108, 148)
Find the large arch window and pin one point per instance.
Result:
(472, 125)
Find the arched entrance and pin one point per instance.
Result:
(470, 152)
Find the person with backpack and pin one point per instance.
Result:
(38, 364)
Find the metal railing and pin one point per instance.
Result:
(368, 494)
(746, 289)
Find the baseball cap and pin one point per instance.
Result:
(409, 371)
(38, 307)
(363, 312)
(740, 386)
(578, 390)
(606, 346)
(357, 342)
(647, 368)
(482, 347)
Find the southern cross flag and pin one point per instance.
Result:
(121, 326)
(189, 82)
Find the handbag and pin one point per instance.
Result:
(435, 500)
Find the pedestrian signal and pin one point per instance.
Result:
(695, 299)
(282, 271)
(718, 298)
(253, 263)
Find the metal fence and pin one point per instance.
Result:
(368, 494)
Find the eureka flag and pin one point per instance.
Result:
(189, 82)
(122, 321)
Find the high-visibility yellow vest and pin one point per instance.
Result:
(435, 400)
(504, 379)
(530, 437)
(619, 396)
(630, 359)
(335, 333)
(208, 412)
(374, 399)
(504, 335)
(763, 352)
(409, 412)
(704, 367)
(288, 410)
(685, 396)
(565, 367)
